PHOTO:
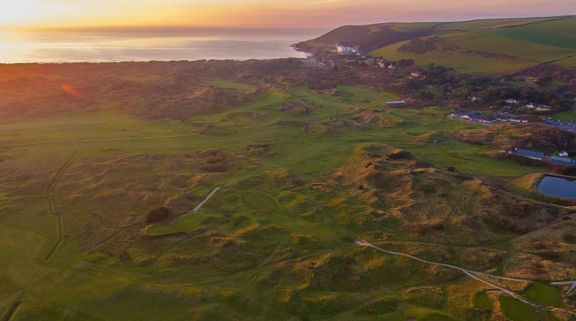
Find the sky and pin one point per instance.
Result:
(261, 13)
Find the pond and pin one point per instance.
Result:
(560, 187)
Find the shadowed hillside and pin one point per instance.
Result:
(495, 46)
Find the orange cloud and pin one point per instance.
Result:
(246, 13)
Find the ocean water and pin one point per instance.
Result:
(163, 44)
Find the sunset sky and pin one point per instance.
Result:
(262, 13)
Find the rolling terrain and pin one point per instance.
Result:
(224, 191)
(498, 46)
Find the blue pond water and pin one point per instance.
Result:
(557, 187)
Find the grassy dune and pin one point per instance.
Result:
(276, 242)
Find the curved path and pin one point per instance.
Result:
(199, 206)
(50, 197)
(474, 274)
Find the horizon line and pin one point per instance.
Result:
(183, 27)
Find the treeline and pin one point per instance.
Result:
(443, 85)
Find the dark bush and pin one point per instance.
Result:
(158, 214)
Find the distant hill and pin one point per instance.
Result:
(480, 46)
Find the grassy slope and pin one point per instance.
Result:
(503, 42)
(569, 62)
(486, 24)
(77, 284)
(567, 115)
(458, 60)
(531, 40)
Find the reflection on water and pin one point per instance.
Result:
(557, 187)
(146, 45)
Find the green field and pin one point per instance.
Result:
(566, 116)
(459, 60)
(518, 311)
(569, 62)
(481, 24)
(497, 46)
(277, 241)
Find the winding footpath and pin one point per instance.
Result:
(50, 197)
(199, 206)
(476, 275)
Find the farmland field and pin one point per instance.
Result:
(498, 46)
(457, 59)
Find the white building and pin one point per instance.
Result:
(538, 107)
(346, 50)
(415, 75)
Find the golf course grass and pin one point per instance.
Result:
(276, 239)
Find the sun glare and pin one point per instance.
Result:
(26, 12)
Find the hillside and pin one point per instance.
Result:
(496, 46)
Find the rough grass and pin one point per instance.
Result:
(519, 311)
(223, 83)
(543, 294)
(482, 302)
(235, 257)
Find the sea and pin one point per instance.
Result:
(150, 44)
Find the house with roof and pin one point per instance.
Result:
(347, 50)
(415, 75)
(528, 153)
(509, 118)
(396, 103)
(538, 107)
(536, 155)
(471, 117)
(566, 161)
(562, 125)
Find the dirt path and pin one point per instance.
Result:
(571, 284)
(199, 206)
(471, 274)
(51, 208)
(11, 311)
